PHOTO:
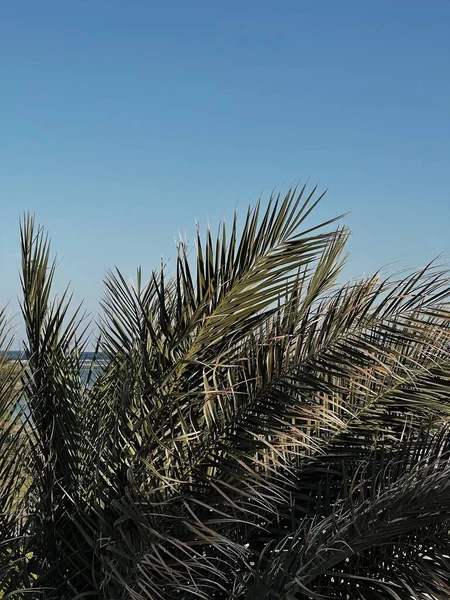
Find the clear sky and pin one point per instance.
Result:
(124, 121)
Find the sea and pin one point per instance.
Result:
(86, 360)
(85, 356)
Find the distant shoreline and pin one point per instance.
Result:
(84, 356)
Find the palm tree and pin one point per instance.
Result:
(248, 428)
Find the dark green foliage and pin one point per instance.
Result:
(249, 429)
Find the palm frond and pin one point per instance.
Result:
(393, 519)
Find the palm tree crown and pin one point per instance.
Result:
(247, 428)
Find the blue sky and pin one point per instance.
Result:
(123, 122)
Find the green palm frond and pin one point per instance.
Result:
(370, 538)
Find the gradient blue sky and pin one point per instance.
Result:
(122, 122)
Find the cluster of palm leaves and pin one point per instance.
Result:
(248, 428)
